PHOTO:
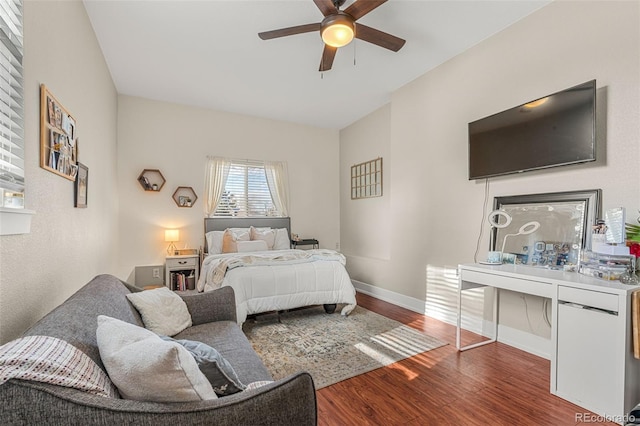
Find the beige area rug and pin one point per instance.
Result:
(330, 346)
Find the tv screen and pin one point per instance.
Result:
(556, 130)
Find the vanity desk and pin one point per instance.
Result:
(592, 361)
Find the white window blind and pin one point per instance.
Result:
(246, 192)
(11, 104)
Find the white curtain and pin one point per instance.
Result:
(215, 179)
(278, 182)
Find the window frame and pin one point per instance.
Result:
(245, 209)
(12, 144)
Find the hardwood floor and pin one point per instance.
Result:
(494, 384)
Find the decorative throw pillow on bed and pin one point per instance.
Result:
(214, 242)
(146, 368)
(48, 359)
(231, 238)
(214, 366)
(249, 246)
(162, 311)
(282, 241)
(267, 235)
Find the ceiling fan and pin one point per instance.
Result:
(338, 28)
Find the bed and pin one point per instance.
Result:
(267, 278)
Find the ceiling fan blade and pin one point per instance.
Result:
(362, 7)
(379, 38)
(328, 54)
(283, 32)
(326, 7)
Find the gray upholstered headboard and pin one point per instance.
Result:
(222, 223)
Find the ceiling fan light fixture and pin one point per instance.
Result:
(337, 30)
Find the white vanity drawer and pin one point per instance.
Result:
(594, 299)
(521, 285)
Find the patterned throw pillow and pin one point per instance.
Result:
(50, 360)
(257, 385)
(214, 366)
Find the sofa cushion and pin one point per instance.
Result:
(214, 366)
(162, 310)
(233, 345)
(50, 360)
(146, 368)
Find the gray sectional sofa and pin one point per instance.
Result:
(287, 401)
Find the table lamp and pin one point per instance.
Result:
(171, 236)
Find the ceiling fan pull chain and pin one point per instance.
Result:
(354, 52)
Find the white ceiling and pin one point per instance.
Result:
(207, 53)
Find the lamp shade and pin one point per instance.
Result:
(171, 235)
(337, 30)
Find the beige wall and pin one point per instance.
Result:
(177, 139)
(433, 213)
(66, 246)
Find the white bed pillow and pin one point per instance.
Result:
(162, 311)
(282, 241)
(249, 246)
(266, 235)
(214, 238)
(146, 368)
(231, 238)
(214, 242)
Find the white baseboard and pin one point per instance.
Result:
(407, 302)
(522, 340)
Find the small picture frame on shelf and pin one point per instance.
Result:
(184, 196)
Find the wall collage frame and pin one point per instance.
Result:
(59, 145)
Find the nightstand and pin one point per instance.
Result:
(306, 242)
(182, 272)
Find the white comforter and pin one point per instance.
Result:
(279, 280)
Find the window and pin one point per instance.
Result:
(246, 192)
(245, 188)
(11, 105)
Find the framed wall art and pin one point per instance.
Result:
(81, 186)
(58, 137)
(366, 179)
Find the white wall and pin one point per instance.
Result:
(176, 139)
(433, 213)
(67, 246)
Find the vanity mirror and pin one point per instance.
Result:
(565, 220)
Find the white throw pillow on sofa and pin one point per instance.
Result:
(162, 311)
(146, 368)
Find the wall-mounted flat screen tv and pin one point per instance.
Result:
(555, 130)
